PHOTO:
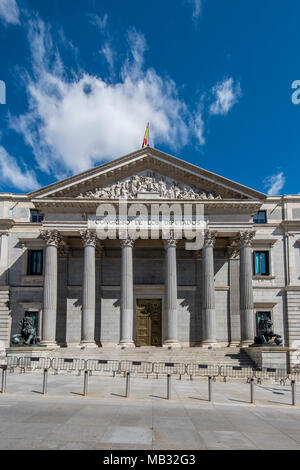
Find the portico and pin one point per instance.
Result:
(121, 291)
(130, 292)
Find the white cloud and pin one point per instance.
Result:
(96, 20)
(9, 11)
(13, 175)
(197, 8)
(275, 183)
(109, 55)
(75, 123)
(226, 95)
(199, 125)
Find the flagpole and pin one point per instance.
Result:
(148, 134)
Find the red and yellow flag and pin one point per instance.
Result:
(145, 141)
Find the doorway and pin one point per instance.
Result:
(148, 322)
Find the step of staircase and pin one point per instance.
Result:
(217, 356)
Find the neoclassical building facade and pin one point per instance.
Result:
(85, 290)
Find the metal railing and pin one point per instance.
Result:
(33, 363)
(192, 370)
(136, 367)
(203, 370)
(102, 365)
(236, 372)
(172, 368)
(68, 364)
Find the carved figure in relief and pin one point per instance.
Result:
(147, 184)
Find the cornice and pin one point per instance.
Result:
(290, 224)
(6, 224)
(246, 205)
(155, 158)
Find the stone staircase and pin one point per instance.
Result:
(215, 356)
(4, 316)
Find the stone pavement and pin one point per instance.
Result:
(64, 419)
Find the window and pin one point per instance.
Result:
(260, 217)
(261, 263)
(36, 216)
(261, 316)
(35, 262)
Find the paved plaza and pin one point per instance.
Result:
(105, 419)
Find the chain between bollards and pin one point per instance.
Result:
(85, 383)
(169, 392)
(210, 388)
(293, 383)
(127, 384)
(4, 370)
(252, 397)
(45, 381)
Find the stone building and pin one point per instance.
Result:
(81, 290)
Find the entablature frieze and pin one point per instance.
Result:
(88, 205)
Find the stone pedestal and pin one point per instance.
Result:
(269, 356)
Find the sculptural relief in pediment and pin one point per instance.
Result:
(148, 184)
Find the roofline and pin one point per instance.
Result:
(106, 166)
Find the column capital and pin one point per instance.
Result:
(210, 238)
(52, 237)
(127, 242)
(63, 250)
(89, 238)
(245, 238)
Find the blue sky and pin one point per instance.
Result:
(213, 77)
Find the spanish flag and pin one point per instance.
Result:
(145, 141)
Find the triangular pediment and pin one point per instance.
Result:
(147, 172)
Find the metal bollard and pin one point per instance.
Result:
(293, 383)
(169, 392)
(4, 370)
(45, 381)
(127, 384)
(85, 383)
(252, 390)
(210, 388)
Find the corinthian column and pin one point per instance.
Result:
(171, 313)
(53, 240)
(208, 290)
(126, 311)
(246, 291)
(89, 239)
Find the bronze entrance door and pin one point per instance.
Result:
(148, 322)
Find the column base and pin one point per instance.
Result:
(246, 343)
(169, 344)
(50, 344)
(87, 345)
(234, 344)
(209, 344)
(125, 345)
